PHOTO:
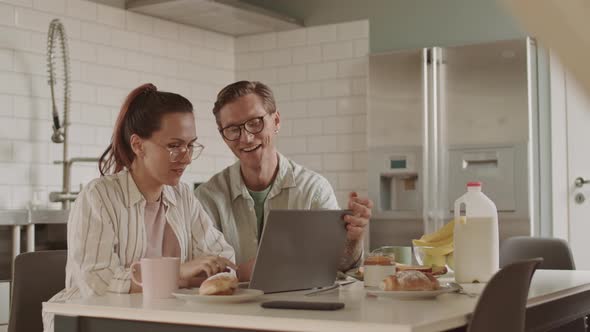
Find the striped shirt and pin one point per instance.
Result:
(226, 199)
(106, 233)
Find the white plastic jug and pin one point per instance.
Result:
(477, 247)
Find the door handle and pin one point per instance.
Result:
(580, 182)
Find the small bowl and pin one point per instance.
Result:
(421, 253)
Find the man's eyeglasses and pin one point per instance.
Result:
(179, 151)
(253, 126)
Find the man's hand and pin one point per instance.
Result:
(361, 212)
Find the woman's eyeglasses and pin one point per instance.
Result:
(179, 152)
(253, 126)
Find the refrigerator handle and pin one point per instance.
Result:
(426, 181)
(434, 129)
(434, 142)
(440, 144)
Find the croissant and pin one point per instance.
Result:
(219, 284)
(410, 281)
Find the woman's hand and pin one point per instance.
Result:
(245, 270)
(205, 265)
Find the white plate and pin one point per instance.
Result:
(240, 295)
(413, 295)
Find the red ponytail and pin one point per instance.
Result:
(140, 114)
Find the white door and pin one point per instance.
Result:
(577, 106)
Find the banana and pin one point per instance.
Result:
(443, 242)
(443, 233)
(439, 251)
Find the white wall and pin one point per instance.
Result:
(319, 77)
(112, 51)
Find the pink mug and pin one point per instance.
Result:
(159, 276)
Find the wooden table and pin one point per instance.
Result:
(555, 298)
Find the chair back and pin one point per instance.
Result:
(556, 253)
(502, 304)
(37, 277)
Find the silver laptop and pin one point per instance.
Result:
(299, 249)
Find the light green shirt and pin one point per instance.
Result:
(259, 198)
(227, 201)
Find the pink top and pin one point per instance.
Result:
(161, 241)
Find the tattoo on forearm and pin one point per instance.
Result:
(351, 256)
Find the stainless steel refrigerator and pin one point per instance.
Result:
(442, 116)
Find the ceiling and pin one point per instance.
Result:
(232, 17)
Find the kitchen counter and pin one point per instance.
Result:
(24, 217)
(11, 226)
(14, 217)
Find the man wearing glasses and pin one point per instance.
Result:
(239, 198)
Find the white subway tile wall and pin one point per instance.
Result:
(112, 51)
(319, 77)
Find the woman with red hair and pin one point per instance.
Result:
(138, 207)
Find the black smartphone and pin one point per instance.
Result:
(302, 305)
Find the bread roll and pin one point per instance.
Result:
(219, 284)
(410, 281)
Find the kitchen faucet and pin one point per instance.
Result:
(60, 130)
(65, 196)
